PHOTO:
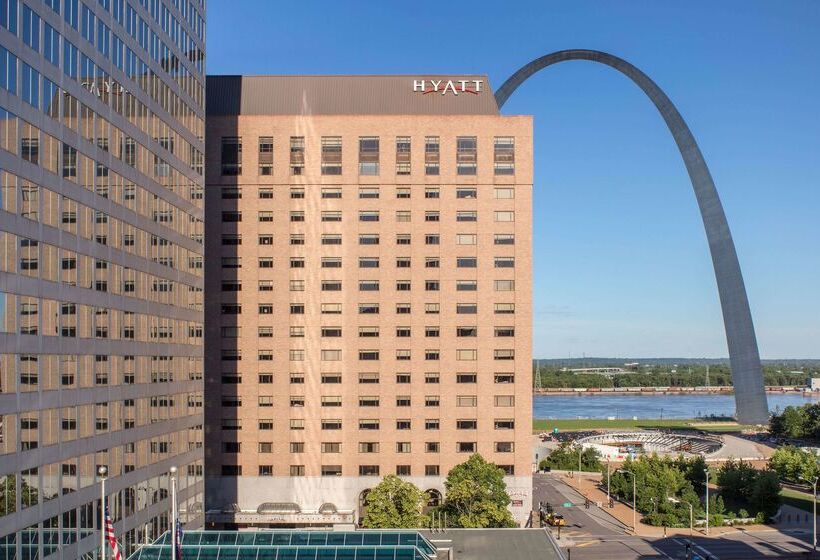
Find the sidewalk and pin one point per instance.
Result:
(623, 513)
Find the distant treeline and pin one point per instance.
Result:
(661, 376)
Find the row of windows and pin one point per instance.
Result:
(469, 401)
(48, 372)
(369, 332)
(335, 378)
(39, 204)
(364, 470)
(330, 447)
(371, 192)
(47, 317)
(234, 216)
(233, 239)
(364, 286)
(64, 160)
(27, 257)
(372, 262)
(431, 354)
(369, 155)
(82, 68)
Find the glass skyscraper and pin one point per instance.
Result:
(101, 269)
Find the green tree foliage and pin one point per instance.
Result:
(395, 504)
(742, 485)
(476, 495)
(658, 479)
(791, 463)
(797, 422)
(8, 494)
(565, 458)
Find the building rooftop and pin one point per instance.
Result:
(350, 95)
(293, 545)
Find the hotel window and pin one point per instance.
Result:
(264, 262)
(431, 216)
(466, 262)
(369, 216)
(331, 216)
(505, 262)
(432, 377)
(266, 216)
(331, 239)
(467, 331)
(331, 401)
(297, 155)
(297, 332)
(505, 354)
(505, 400)
(431, 424)
(369, 239)
(266, 240)
(402, 192)
(402, 155)
(504, 239)
(467, 216)
(333, 424)
(403, 378)
(297, 193)
(331, 262)
(403, 424)
(265, 192)
(265, 332)
(466, 378)
(331, 447)
(297, 447)
(503, 332)
(505, 193)
(231, 193)
(432, 239)
(432, 400)
(466, 192)
(297, 470)
(432, 262)
(467, 400)
(504, 155)
(504, 308)
(430, 308)
(368, 155)
(403, 470)
(331, 378)
(466, 150)
(504, 424)
(431, 155)
(368, 377)
(403, 216)
(468, 355)
(368, 332)
(297, 285)
(368, 424)
(466, 447)
(368, 192)
(335, 355)
(295, 378)
(297, 216)
(331, 155)
(231, 155)
(266, 155)
(331, 192)
(403, 262)
(504, 216)
(368, 447)
(466, 239)
(368, 401)
(431, 447)
(331, 285)
(368, 470)
(432, 192)
(466, 424)
(504, 285)
(403, 447)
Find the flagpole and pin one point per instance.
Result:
(173, 513)
(103, 472)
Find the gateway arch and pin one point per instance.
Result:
(747, 374)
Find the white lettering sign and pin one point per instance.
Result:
(442, 87)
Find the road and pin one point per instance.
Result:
(592, 534)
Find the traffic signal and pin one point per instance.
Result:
(586, 503)
(611, 503)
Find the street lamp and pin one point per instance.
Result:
(691, 512)
(607, 481)
(634, 500)
(102, 471)
(706, 472)
(814, 511)
(173, 513)
(580, 450)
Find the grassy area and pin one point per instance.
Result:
(796, 499)
(542, 425)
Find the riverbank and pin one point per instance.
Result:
(569, 425)
(723, 390)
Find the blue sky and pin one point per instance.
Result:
(621, 261)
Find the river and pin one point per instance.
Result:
(652, 406)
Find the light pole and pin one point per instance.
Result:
(814, 512)
(706, 472)
(102, 471)
(173, 513)
(634, 500)
(580, 450)
(691, 512)
(607, 481)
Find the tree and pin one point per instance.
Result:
(395, 504)
(476, 495)
(565, 458)
(792, 422)
(791, 463)
(744, 486)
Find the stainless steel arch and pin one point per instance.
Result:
(747, 374)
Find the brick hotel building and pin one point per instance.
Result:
(368, 283)
(102, 121)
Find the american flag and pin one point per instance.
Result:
(178, 543)
(111, 537)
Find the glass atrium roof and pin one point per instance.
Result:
(293, 545)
